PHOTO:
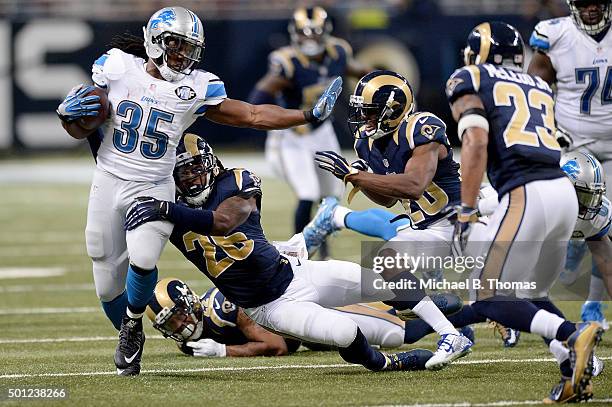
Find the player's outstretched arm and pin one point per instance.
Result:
(269, 117)
(541, 66)
(229, 214)
(261, 342)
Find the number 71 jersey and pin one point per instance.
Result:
(520, 110)
(148, 115)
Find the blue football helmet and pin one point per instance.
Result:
(195, 170)
(176, 310)
(495, 43)
(587, 175)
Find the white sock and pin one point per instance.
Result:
(560, 352)
(545, 324)
(426, 309)
(339, 214)
(133, 315)
(596, 289)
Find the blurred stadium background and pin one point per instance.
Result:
(49, 45)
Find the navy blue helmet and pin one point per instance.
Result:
(495, 43)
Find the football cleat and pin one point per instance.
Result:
(322, 225)
(129, 349)
(581, 345)
(411, 360)
(450, 347)
(509, 336)
(563, 392)
(448, 303)
(592, 312)
(598, 366)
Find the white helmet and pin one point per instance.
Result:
(174, 40)
(587, 175)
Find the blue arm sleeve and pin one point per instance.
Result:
(197, 220)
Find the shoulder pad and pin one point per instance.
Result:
(463, 81)
(546, 33)
(220, 310)
(338, 45)
(422, 128)
(247, 183)
(283, 61)
(110, 66)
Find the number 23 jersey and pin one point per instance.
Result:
(148, 115)
(520, 110)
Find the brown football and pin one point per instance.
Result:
(93, 122)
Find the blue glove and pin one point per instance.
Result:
(334, 163)
(77, 105)
(466, 217)
(146, 209)
(324, 106)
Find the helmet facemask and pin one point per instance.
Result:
(180, 56)
(600, 17)
(194, 176)
(590, 198)
(376, 120)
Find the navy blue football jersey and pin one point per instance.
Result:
(309, 78)
(389, 155)
(246, 268)
(220, 319)
(520, 109)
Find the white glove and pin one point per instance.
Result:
(207, 348)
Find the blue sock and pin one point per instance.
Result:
(359, 351)
(511, 313)
(565, 331)
(417, 329)
(140, 287)
(406, 298)
(374, 222)
(545, 304)
(302, 215)
(575, 252)
(115, 309)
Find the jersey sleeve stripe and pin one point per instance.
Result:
(601, 233)
(539, 41)
(202, 109)
(238, 176)
(475, 76)
(215, 90)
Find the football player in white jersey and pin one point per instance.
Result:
(575, 54)
(155, 92)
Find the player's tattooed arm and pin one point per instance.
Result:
(232, 213)
(473, 151)
(237, 113)
(418, 173)
(601, 250)
(261, 342)
(541, 66)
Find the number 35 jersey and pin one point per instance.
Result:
(148, 115)
(246, 268)
(520, 109)
(583, 68)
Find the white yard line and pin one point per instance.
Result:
(7, 273)
(25, 288)
(48, 310)
(73, 339)
(280, 367)
(491, 404)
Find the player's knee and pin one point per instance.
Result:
(108, 285)
(344, 332)
(393, 338)
(95, 243)
(143, 260)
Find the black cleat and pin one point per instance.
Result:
(130, 346)
(412, 360)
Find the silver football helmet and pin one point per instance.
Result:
(174, 40)
(593, 27)
(587, 175)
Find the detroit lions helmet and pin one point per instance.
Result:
(309, 30)
(174, 40)
(176, 311)
(597, 20)
(495, 43)
(195, 170)
(587, 175)
(382, 99)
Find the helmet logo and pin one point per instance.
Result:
(571, 168)
(164, 17)
(185, 92)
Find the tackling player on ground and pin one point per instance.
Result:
(156, 92)
(506, 123)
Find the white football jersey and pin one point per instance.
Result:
(596, 227)
(584, 78)
(148, 115)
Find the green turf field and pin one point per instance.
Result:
(53, 333)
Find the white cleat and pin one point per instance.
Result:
(450, 347)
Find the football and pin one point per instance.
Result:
(93, 122)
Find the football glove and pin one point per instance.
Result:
(564, 139)
(324, 106)
(77, 105)
(361, 165)
(207, 348)
(146, 209)
(334, 163)
(466, 216)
